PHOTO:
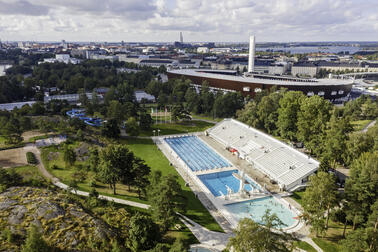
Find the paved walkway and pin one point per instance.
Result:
(56, 181)
(371, 124)
(210, 239)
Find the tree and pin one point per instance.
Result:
(165, 195)
(178, 246)
(267, 111)
(320, 196)
(34, 241)
(248, 114)
(179, 113)
(251, 236)
(226, 105)
(361, 188)
(115, 162)
(355, 241)
(145, 121)
(69, 155)
(115, 111)
(336, 139)
(290, 105)
(110, 129)
(143, 233)
(132, 127)
(140, 173)
(357, 144)
(312, 120)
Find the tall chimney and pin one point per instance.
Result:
(251, 58)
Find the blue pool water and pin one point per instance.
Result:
(217, 182)
(255, 209)
(196, 154)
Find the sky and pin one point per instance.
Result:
(198, 20)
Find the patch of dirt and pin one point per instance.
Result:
(33, 133)
(13, 158)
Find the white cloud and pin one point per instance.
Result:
(210, 20)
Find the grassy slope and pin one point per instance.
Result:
(145, 149)
(297, 196)
(305, 246)
(360, 124)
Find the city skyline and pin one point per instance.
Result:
(163, 20)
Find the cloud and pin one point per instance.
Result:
(210, 20)
(21, 7)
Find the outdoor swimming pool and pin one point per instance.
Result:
(256, 208)
(218, 182)
(196, 154)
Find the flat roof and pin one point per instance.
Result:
(297, 82)
(278, 160)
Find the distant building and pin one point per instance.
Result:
(203, 50)
(63, 58)
(304, 69)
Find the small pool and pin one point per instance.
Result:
(255, 209)
(218, 182)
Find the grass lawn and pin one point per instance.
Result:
(65, 174)
(297, 196)
(329, 243)
(326, 246)
(143, 148)
(305, 246)
(147, 150)
(359, 125)
(28, 172)
(177, 128)
(2, 141)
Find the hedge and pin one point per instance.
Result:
(30, 157)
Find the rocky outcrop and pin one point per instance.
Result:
(64, 225)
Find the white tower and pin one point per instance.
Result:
(251, 58)
(181, 38)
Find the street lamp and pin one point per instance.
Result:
(158, 131)
(154, 132)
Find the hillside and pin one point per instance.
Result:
(64, 225)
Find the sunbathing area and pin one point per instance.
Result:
(282, 163)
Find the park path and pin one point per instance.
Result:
(205, 236)
(371, 124)
(56, 181)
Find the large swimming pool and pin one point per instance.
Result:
(256, 208)
(196, 154)
(218, 182)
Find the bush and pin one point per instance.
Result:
(30, 158)
(8, 236)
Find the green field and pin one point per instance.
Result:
(359, 125)
(326, 246)
(145, 149)
(297, 196)
(177, 128)
(305, 246)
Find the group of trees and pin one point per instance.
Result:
(116, 164)
(324, 129)
(179, 92)
(358, 206)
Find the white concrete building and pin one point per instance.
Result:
(282, 163)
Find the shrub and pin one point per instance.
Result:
(30, 158)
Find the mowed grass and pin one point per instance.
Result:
(305, 246)
(66, 174)
(177, 128)
(297, 196)
(326, 246)
(148, 151)
(360, 124)
(28, 172)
